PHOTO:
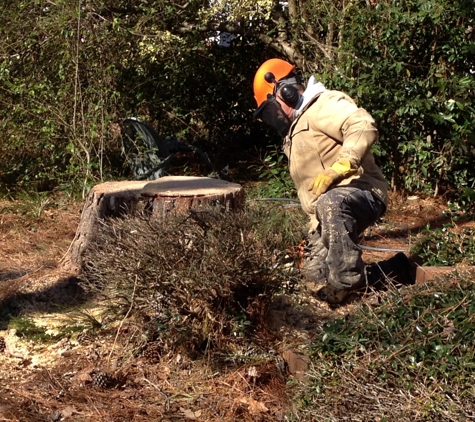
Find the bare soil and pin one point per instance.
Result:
(53, 381)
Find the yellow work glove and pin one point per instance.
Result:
(336, 173)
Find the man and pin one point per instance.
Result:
(327, 140)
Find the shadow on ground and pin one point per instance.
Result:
(64, 293)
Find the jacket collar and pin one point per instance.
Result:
(313, 90)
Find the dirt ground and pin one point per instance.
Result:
(82, 379)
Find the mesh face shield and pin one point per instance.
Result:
(270, 112)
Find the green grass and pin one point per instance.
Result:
(408, 357)
(27, 329)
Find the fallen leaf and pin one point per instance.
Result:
(297, 364)
(68, 411)
(255, 406)
(449, 328)
(82, 377)
(189, 414)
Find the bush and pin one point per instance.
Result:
(410, 63)
(446, 246)
(196, 278)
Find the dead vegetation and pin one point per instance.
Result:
(195, 282)
(100, 348)
(181, 321)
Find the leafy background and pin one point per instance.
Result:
(70, 71)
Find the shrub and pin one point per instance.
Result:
(196, 278)
(446, 246)
(410, 64)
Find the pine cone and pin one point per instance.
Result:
(3, 345)
(152, 353)
(84, 338)
(102, 379)
(156, 307)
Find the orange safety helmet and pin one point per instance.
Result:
(279, 68)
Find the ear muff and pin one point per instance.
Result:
(288, 93)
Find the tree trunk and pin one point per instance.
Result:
(170, 194)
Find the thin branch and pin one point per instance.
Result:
(123, 320)
(283, 48)
(321, 46)
(167, 399)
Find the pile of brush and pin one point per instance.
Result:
(195, 280)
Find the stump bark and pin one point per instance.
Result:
(170, 194)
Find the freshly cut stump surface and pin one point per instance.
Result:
(169, 194)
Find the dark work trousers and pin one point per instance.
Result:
(343, 213)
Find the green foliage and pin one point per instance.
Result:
(56, 94)
(421, 329)
(30, 207)
(33, 204)
(446, 246)
(27, 329)
(410, 64)
(70, 72)
(274, 172)
(418, 343)
(197, 278)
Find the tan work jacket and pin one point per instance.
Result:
(328, 128)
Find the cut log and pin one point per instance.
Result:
(170, 194)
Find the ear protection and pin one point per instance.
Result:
(287, 92)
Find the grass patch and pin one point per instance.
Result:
(410, 357)
(27, 329)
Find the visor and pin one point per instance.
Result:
(270, 112)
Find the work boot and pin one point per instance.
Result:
(314, 272)
(397, 270)
(314, 269)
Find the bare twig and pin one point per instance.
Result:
(167, 399)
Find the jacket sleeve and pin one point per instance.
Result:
(352, 126)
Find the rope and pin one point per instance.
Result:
(374, 248)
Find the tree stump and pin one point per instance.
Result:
(170, 194)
